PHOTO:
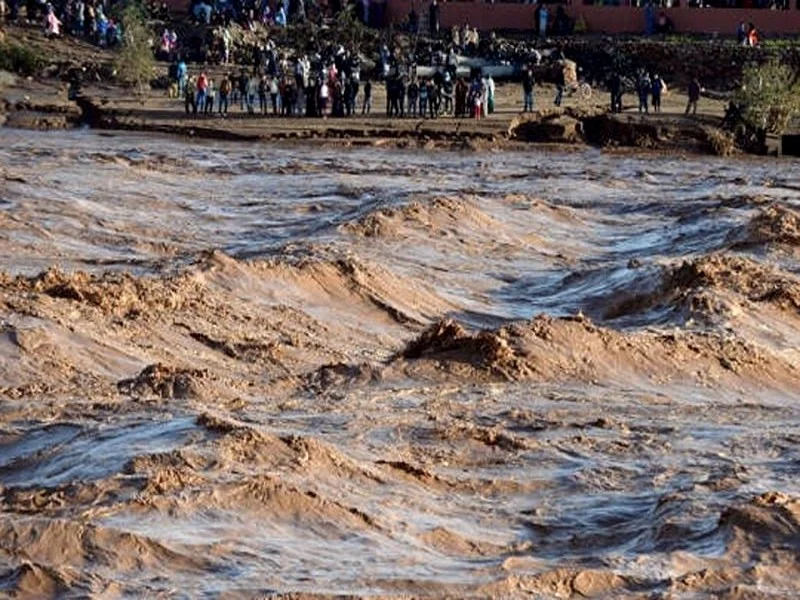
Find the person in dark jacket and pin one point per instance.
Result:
(527, 90)
(561, 84)
(433, 19)
(694, 96)
(657, 90)
(461, 98)
(615, 90)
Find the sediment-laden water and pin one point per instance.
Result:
(253, 370)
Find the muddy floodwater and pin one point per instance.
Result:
(261, 371)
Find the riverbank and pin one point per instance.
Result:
(40, 102)
(43, 105)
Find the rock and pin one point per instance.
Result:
(548, 128)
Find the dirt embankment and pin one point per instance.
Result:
(593, 126)
(628, 130)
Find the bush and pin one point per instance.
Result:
(20, 60)
(135, 62)
(769, 97)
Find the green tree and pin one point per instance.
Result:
(135, 61)
(769, 96)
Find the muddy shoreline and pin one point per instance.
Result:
(558, 128)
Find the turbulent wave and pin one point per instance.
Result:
(775, 225)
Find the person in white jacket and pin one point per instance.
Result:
(490, 88)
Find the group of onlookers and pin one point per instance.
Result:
(439, 95)
(304, 93)
(86, 19)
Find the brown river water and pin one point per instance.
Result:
(252, 371)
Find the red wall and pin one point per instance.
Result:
(601, 19)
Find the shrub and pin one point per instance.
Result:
(20, 60)
(347, 29)
(769, 97)
(135, 61)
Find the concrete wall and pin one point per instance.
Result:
(601, 19)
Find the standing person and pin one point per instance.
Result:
(658, 89)
(461, 98)
(484, 97)
(544, 15)
(401, 95)
(252, 93)
(393, 99)
(434, 98)
(280, 17)
(560, 85)
(244, 83)
(324, 95)
(262, 95)
(413, 95)
(52, 23)
(752, 36)
(615, 90)
(173, 43)
(490, 89)
(224, 93)
(476, 94)
(312, 97)
(433, 19)
(210, 95)
(365, 110)
(423, 98)
(447, 92)
(355, 80)
(349, 99)
(273, 94)
(188, 98)
(649, 18)
(200, 96)
(80, 18)
(226, 45)
(389, 85)
(337, 98)
(290, 92)
(527, 90)
(694, 96)
(643, 88)
(182, 74)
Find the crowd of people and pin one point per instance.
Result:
(650, 88)
(280, 13)
(276, 95)
(441, 94)
(302, 88)
(86, 19)
(278, 84)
